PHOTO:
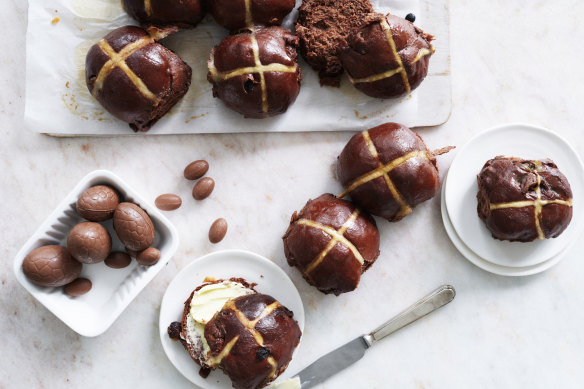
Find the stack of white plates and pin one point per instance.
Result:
(459, 203)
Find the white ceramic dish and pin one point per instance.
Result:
(113, 289)
(253, 268)
(513, 140)
(486, 265)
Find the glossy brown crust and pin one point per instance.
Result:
(165, 75)
(417, 180)
(50, 266)
(231, 14)
(505, 180)
(134, 227)
(180, 13)
(89, 242)
(243, 93)
(247, 364)
(339, 271)
(369, 53)
(323, 27)
(98, 203)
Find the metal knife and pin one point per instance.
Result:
(344, 356)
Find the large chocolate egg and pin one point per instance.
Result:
(89, 242)
(51, 266)
(388, 170)
(523, 200)
(332, 243)
(98, 203)
(133, 226)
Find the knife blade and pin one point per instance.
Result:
(349, 353)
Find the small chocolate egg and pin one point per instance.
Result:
(118, 260)
(133, 226)
(89, 242)
(78, 287)
(98, 203)
(50, 266)
(148, 257)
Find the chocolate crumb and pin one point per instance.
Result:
(204, 371)
(174, 330)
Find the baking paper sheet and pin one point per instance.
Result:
(60, 33)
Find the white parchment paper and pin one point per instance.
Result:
(60, 32)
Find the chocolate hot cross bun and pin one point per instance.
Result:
(523, 200)
(135, 78)
(180, 13)
(252, 340)
(238, 14)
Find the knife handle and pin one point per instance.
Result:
(438, 298)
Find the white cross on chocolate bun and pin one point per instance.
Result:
(135, 78)
(237, 14)
(227, 324)
(388, 170)
(180, 13)
(522, 200)
(387, 57)
(332, 243)
(255, 72)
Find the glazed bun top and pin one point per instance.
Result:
(238, 14)
(252, 339)
(180, 13)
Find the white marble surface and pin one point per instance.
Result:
(511, 61)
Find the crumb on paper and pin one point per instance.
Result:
(358, 116)
(196, 117)
(67, 85)
(209, 279)
(55, 20)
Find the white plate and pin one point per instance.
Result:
(113, 289)
(512, 140)
(253, 268)
(486, 265)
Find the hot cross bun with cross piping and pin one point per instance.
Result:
(254, 336)
(387, 57)
(523, 200)
(237, 14)
(388, 170)
(255, 72)
(250, 336)
(180, 13)
(332, 243)
(135, 78)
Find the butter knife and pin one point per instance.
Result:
(344, 356)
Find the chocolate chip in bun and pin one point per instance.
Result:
(387, 57)
(522, 200)
(237, 14)
(332, 243)
(135, 78)
(388, 170)
(255, 72)
(227, 324)
(180, 13)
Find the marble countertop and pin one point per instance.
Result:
(511, 61)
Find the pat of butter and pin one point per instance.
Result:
(209, 300)
(292, 383)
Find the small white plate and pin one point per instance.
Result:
(113, 289)
(254, 268)
(512, 140)
(486, 265)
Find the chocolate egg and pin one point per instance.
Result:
(133, 226)
(50, 266)
(148, 257)
(98, 203)
(89, 242)
(78, 287)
